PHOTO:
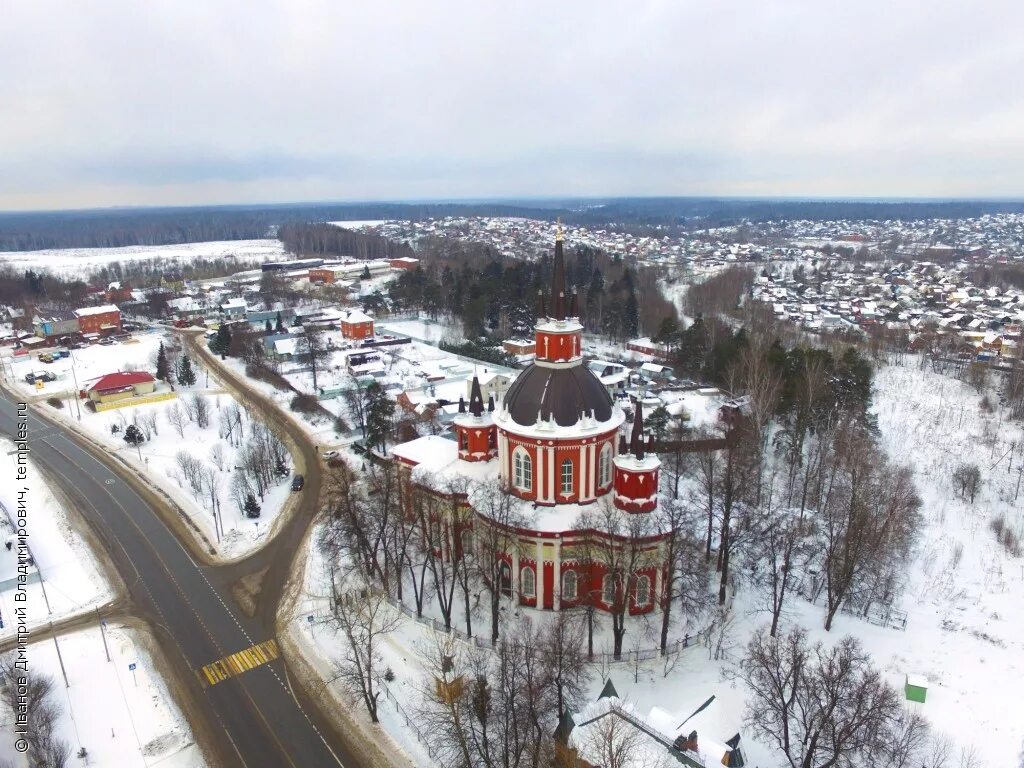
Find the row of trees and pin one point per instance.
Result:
(27, 693)
(492, 294)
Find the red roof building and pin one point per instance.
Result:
(134, 382)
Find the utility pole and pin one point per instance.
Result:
(59, 657)
(103, 633)
(74, 376)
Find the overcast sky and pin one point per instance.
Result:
(124, 102)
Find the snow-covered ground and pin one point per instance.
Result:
(72, 579)
(121, 717)
(137, 353)
(158, 456)
(423, 330)
(78, 262)
(965, 629)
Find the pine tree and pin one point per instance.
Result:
(221, 343)
(380, 412)
(163, 365)
(186, 374)
(251, 507)
(133, 436)
(365, 274)
(268, 327)
(279, 324)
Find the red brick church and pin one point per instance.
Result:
(557, 444)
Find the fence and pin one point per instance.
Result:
(409, 722)
(879, 614)
(635, 655)
(153, 397)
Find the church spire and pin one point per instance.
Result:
(558, 278)
(476, 398)
(636, 438)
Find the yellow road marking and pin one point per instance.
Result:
(236, 663)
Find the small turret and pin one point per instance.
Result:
(475, 427)
(636, 473)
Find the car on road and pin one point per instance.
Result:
(328, 455)
(46, 357)
(297, 482)
(106, 341)
(32, 378)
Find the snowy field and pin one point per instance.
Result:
(79, 262)
(423, 330)
(122, 718)
(73, 581)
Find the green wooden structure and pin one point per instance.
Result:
(916, 688)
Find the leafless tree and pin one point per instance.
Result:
(364, 617)
(315, 351)
(176, 418)
(869, 518)
(967, 478)
(217, 456)
(484, 708)
(825, 706)
(709, 465)
(685, 578)
(354, 397)
(614, 742)
(191, 471)
(622, 546)
(494, 536)
(198, 408)
(565, 662)
(440, 520)
(146, 419)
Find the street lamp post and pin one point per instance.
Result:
(74, 376)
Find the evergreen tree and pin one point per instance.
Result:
(163, 365)
(268, 328)
(365, 275)
(279, 324)
(380, 412)
(133, 436)
(186, 374)
(221, 343)
(657, 423)
(251, 507)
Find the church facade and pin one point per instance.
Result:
(557, 446)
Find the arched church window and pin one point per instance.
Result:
(522, 466)
(608, 589)
(643, 591)
(605, 466)
(528, 582)
(569, 585)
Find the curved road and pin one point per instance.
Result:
(252, 720)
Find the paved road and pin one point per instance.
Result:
(254, 718)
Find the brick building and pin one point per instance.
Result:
(104, 319)
(554, 446)
(356, 324)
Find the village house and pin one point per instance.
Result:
(103, 319)
(356, 324)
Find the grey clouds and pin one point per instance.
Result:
(128, 103)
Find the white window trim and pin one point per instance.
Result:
(522, 468)
(642, 579)
(567, 577)
(605, 466)
(608, 579)
(524, 572)
(561, 478)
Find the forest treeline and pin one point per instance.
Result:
(321, 239)
(496, 295)
(113, 228)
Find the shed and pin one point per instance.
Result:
(916, 688)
